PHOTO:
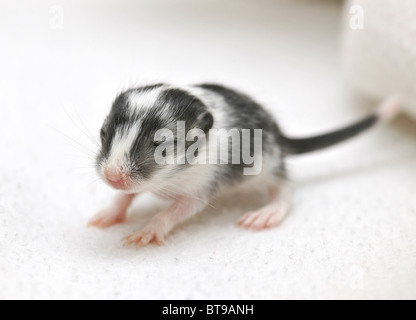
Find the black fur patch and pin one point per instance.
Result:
(245, 113)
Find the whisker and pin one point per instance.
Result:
(93, 182)
(84, 149)
(89, 136)
(88, 132)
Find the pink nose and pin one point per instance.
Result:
(116, 179)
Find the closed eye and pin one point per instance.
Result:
(158, 143)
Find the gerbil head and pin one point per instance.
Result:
(126, 160)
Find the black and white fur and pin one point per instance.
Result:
(128, 147)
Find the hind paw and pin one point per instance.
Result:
(264, 218)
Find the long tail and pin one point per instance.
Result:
(386, 112)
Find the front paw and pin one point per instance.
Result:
(152, 234)
(107, 218)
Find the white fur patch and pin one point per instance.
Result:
(215, 103)
(143, 100)
(123, 143)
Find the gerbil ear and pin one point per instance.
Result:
(205, 121)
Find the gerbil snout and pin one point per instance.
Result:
(117, 178)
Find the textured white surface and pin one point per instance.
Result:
(351, 233)
(380, 59)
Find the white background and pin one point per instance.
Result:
(351, 233)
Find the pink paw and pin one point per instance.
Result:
(149, 235)
(261, 219)
(107, 218)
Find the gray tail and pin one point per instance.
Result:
(386, 112)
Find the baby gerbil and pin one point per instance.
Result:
(131, 138)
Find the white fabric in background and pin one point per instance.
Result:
(352, 229)
(380, 59)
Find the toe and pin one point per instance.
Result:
(260, 222)
(273, 221)
(106, 219)
(159, 240)
(248, 219)
(144, 238)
